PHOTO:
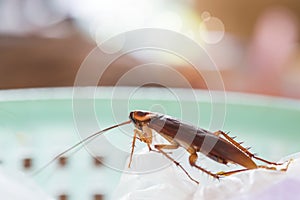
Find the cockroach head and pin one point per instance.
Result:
(140, 118)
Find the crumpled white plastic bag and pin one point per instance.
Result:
(16, 186)
(171, 184)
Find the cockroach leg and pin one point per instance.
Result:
(147, 135)
(146, 138)
(274, 168)
(193, 158)
(222, 173)
(132, 147)
(174, 145)
(245, 150)
(266, 161)
(287, 165)
(159, 148)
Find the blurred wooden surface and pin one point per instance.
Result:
(34, 61)
(240, 17)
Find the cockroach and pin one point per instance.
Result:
(217, 146)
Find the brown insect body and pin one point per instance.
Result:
(222, 151)
(218, 145)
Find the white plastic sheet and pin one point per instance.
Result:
(16, 186)
(171, 184)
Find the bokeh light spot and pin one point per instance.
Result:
(211, 29)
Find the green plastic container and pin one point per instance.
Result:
(37, 124)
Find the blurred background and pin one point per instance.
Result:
(255, 44)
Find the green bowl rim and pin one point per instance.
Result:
(66, 93)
